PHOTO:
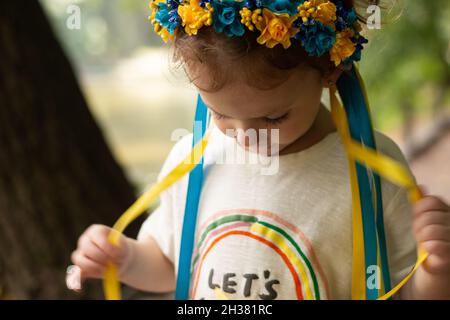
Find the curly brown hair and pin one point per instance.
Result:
(261, 67)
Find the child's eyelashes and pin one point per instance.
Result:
(270, 121)
(218, 116)
(277, 120)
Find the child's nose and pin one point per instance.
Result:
(247, 125)
(247, 133)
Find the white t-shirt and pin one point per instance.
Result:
(286, 235)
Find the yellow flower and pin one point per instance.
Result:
(194, 17)
(326, 13)
(320, 10)
(164, 33)
(276, 28)
(343, 47)
(154, 8)
(252, 19)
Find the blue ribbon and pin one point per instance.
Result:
(361, 129)
(191, 209)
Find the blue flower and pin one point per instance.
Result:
(253, 4)
(317, 39)
(202, 3)
(346, 18)
(356, 56)
(167, 17)
(173, 3)
(282, 6)
(340, 24)
(351, 17)
(226, 17)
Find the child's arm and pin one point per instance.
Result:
(432, 230)
(141, 264)
(149, 269)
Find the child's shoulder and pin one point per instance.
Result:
(178, 153)
(182, 147)
(389, 147)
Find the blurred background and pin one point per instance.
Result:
(88, 110)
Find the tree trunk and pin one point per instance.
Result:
(57, 175)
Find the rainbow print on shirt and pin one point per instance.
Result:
(292, 273)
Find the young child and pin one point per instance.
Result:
(286, 235)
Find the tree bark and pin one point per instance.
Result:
(57, 175)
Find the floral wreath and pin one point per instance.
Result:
(321, 26)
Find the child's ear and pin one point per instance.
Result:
(333, 75)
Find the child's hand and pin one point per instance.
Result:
(432, 230)
(94, 252)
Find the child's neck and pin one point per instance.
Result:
(323, 125)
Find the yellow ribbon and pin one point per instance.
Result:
(389, 169)
(111, 285)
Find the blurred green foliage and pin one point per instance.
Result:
(110, 29)
(408, 61)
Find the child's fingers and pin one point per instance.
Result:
(88, 247)
(100, 239)
(99, 235)
(437, 247)
(89, 268)
(430, 218)
(437, 264)
(430, 203)
(433, 232)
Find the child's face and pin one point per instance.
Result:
(291, 107)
